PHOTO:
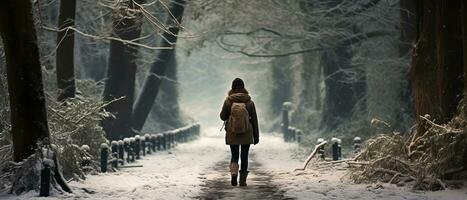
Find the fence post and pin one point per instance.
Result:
(114, 148)
(127, 146)
(153, 141)
(285, 123)
(143, 145)
(137, 146)
(335, 148)
(357, 144)
(164, 141)
(148, 143)
(45, 177)
(299, 136)
(321, 151)
(121, 152)
(104, 157)
(132, 149)
(159, 142)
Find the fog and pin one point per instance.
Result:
(205, 77)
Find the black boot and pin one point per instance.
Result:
(243, 176)
(234, 173)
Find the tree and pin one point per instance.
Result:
(121, 71)
(151, 86)
(281, 90)
(27, 101)
(65, 50)
(167, 111)
(343, 91)
(437, 65)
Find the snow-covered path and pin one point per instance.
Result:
(199, 170)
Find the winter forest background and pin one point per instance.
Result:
(349, 68)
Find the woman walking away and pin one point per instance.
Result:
(241, 126)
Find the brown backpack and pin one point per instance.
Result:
(239, 119)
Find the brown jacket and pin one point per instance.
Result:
(253, 134)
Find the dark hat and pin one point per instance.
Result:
(237, 83)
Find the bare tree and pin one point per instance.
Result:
(65, 50)
(151, 86)
(121, 70)
(27, 101)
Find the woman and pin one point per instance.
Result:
(241, 125)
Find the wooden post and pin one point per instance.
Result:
(132, 149)
(121, 152)
(137, 148)
(335, 148)
(143, 145)
(285, 124)
(159, 142)
(114, 149)
(164, 141)
(357, 144)
(321, 151)
(154, 143)
(286, 107)
(104, 157)
(45, 178)
(148, 143)
(299, 136)
(127, 146)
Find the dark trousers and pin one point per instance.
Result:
(234, 149)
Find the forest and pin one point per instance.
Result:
(88, 89)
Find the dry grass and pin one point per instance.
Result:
(426, 159)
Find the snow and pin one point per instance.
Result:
(199, 169)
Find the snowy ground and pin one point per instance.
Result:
(199, 170)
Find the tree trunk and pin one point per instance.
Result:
(121, 74)
(65, 51)
(342, 91)
(151, 86)
(437, 65)
(408, 34)
(27, 101)
(281, 90)
(464, 42)
(167, 112)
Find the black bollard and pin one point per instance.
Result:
(299, 136)
(164, 141)
(148, 143)
(126, 146)
(357, 144)
(104, 157)
(121, 152)
(286, 107)
(159, 142)
(45, 177)
(321, 151)
(173, 141)
(132, 149)
(114, 149)
(339, 149)
(137, 148)
(285, 124)
(335, 148)
(143, 145)
(153, 142)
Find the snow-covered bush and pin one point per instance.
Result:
(74, 123)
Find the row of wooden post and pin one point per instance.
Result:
(336, 148)
(131, 149)
(289, 133)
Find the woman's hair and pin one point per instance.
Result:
(238, 90)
